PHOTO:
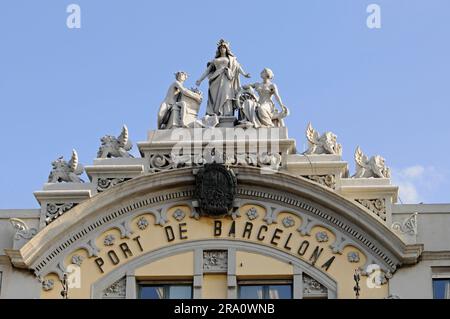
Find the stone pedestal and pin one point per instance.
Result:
(169, 149)
(58, 198)
(227, 121)
(108, 172)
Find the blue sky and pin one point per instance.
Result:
(386, 89)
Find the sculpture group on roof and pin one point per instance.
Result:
(252, 102)
(244, 106)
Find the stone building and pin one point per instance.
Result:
(223, 207)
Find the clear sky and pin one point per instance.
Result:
(386, 89)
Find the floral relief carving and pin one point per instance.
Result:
(105, 183)
(179, 214)
(377, 206)
(77, 260)
(322, 237)
(109, 240)
(54, 210)
(252, 213)
(353, 257)
(325, 180)
(116, 290)
(288, 221)
(48, 284)
(215, 260)
(142, 223)
(312, 287)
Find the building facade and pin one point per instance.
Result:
(223, 207)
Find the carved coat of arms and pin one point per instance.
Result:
(215, 189)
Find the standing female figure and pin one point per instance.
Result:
(223, 74)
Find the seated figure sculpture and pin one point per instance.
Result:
(261, 112)
(181, 105)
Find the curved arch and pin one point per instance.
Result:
(155, 255)
(144, 192)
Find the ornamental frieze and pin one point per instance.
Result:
(320, 249)
(376, 205)
(328, 180)
(105, 183)
(54, 210)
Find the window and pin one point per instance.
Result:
(165, 290)
(270, 289)
(441, 282)
(441, 288)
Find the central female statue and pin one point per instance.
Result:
(223, 74)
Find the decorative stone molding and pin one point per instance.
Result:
(271, 215)
(339, 243)
(313, 288)
(377, 206)
(162, 162)
(407, 226)
(306, 226)
(104, 183)
(22, 229)
(436, 255)
(328, 180)
(142, 223)
(54, 210)
(42, 260)
(94, 225)
(288, 221)
(109, 240)
(252, 213)
(215, 261)
(77, 260)
(353, 257)
(322, 237)
(178, 215)
(48, 284)
(117, 290)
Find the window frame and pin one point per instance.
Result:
(265, 283)
(436, 278)
(439, 273)
(165, 284)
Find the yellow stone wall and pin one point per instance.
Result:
(214, 286)
(248, 265)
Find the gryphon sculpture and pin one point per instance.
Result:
(373, 167)
(63, 171)
(115, 147)
(325, 144)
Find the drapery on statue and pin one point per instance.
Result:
(63, 171)
(261, 112)
(181, 105)
(223, 74)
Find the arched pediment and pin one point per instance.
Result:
(311, 206)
